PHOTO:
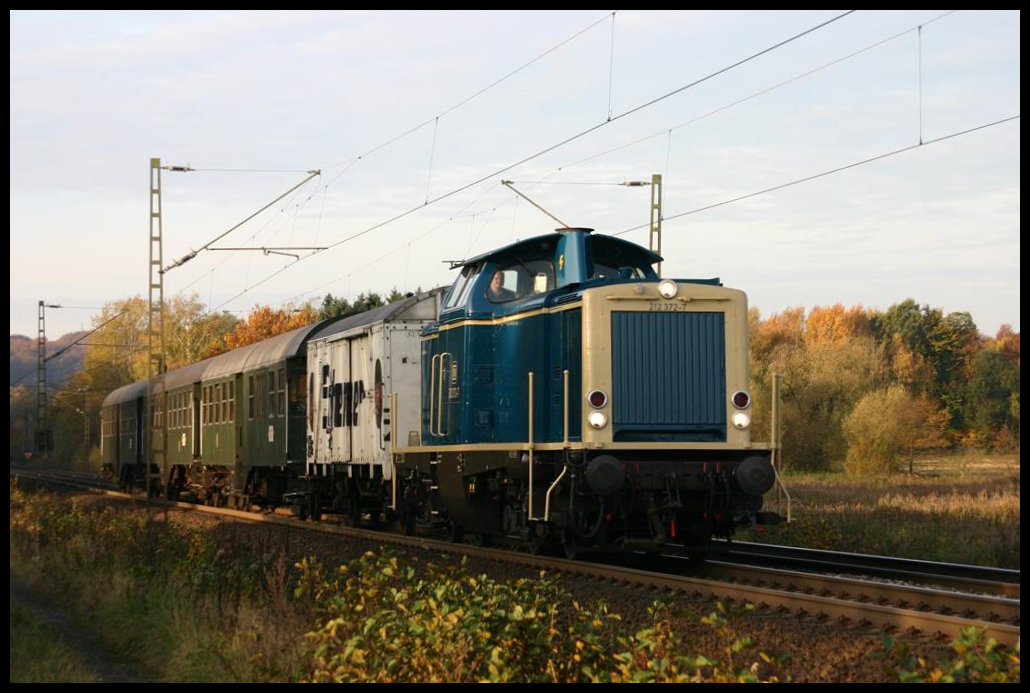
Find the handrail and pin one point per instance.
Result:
(432, 392)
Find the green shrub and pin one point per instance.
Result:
(978, 659)
(383, 622)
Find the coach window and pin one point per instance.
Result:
(271, 394)
(282, 392)
(250, 397)
(232, 400)
(298, 395)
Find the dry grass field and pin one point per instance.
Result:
(958, 508)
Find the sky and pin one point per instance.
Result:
(808, 158)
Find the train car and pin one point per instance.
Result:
(240, 430)
(121, 433)
(351, 365)
(572, 398)
(234, 423)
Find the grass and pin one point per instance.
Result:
(960, 509)
(39, 655)
(172, 601)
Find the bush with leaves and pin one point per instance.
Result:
(978, 659)
(383, 622)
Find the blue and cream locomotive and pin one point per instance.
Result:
(560, 394)
(569, 396)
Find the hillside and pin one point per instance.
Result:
(24, 358)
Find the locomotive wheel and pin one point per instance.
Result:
(536, 543)
(455, 532)
(569, 545)
(482, 539)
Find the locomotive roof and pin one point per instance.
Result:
(551, 240)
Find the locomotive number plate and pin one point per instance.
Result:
(666, 307)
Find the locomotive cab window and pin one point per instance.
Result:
(602, 271)
(519, 279)
(459, 291)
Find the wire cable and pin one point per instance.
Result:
(798, 181)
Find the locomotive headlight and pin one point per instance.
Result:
(741, 420)
(667, 288)
(597, 419)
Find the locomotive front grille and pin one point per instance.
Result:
(668, 376)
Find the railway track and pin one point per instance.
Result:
(903, 604)
(957, 576)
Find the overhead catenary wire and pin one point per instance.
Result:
(541, 56)
(65, 349)
(587, 131)
(815, 176)
(668, 132)
(553, 147)
(762, 92)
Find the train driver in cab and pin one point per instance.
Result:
(496, 292)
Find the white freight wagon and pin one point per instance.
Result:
(354, 366)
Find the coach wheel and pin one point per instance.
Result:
(353, 516)
(408, 521)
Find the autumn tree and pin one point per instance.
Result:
(192, 334)
(264, 322)
(117, 353)
(836, 324)
(1006, 343)
(888, 425)
(945, 343)
(784, 329)
(22, 410)
(823, 379)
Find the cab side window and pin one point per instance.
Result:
(458, 294)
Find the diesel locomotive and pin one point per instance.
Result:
(559, 394)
